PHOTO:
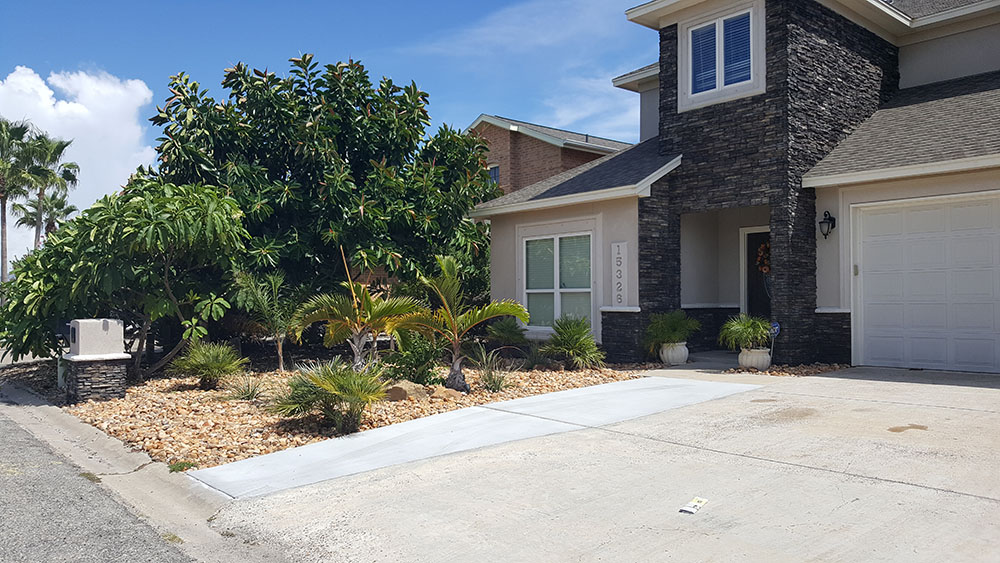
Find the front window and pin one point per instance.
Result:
(557, 278)
(721, 56)
(725, 41)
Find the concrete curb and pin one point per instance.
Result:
(172, 503)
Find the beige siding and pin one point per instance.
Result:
(952, 56)
(611, 221)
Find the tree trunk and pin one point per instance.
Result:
(3, 238)
(140, 349)
(39, 218)
(281, 354)
(456, 379)
(166, 359)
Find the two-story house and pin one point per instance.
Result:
(833, 165)
(522, 153)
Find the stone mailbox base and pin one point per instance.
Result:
(96, 377)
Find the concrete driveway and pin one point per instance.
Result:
(872, 465)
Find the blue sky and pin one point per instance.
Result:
(94, 71)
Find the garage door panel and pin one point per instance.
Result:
(930, 285)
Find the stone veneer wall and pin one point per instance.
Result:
(711, 321)
(833, 335)
(825, 75)
(95, 380)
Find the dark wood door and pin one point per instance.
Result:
(758, 282)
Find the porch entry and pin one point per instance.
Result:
(755, 256)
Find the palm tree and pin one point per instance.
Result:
(14, 163)
(271, 304)
(358, 317)
(50, 171)
(55, 211)
(453, 319)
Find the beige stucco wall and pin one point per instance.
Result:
(710, 255)
(608, 221)
(833, 255)
(952, 56)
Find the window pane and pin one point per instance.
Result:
(541, 309)
(703, 59)
(576, 305)
(736, 43)
(574, 262)
(540, 266)
(495, 174)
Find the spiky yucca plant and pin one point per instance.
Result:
(209, 362)
(336, 390)
(573, 342)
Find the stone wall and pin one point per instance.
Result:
(95, 380)
(711, 321)
(621, 336)
(833, 338)
(825, 75)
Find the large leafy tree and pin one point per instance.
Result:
(14, 175)
(324, 158)
(155, 250)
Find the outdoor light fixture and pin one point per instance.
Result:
(827, 224)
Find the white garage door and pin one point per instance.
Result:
(930, 285)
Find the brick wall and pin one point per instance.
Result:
(524, 160)
(825, 75)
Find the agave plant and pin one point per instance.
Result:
(454, 318)
(573, 342)
(358, 317)
(336, 390)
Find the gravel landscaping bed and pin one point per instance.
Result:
(793, 371)
(173, 420)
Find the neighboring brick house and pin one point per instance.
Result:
(859, 139)
(523, 153)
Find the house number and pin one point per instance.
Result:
(619, 274)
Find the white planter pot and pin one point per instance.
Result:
(756, 358)
(674, 354)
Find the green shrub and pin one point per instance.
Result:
(209, 362)
(334, 389)
(415, 360)
(246, 388)
(669, 328)
(507, 332)
(745, 331)
(535, 357)
(573, 343)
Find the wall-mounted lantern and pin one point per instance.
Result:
(827, 224)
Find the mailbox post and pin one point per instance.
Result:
(96, 364)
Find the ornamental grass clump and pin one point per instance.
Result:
(669, 328)
(334, 389)
(246, 388)
(493, 369)
(208, 361)
(574, 344)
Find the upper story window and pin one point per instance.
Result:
(721, 56)
(494, 171)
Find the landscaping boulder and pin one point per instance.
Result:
(403, 390)
(443, 393)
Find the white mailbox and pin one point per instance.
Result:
(97, 339)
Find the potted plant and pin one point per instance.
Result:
(667, 336)
(752, 336)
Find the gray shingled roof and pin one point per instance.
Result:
(923, 125)
(625, 168)
(921, 8)
(567, 135)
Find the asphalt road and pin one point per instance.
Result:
(50, 512)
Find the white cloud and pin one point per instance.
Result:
(591, 105)
(101, 113)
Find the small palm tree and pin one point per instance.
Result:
(49, 171)
(55, 211)
(357, 317)
(454, 318)
(271, 304)
(14, 177)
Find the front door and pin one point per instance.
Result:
(758, 267)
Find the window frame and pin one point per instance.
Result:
(556, 291)
(686, 99)
(489, 170)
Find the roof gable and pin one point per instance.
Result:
(558, 137)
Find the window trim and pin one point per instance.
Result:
(556, 291)
(686, 100)
(489, 170)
